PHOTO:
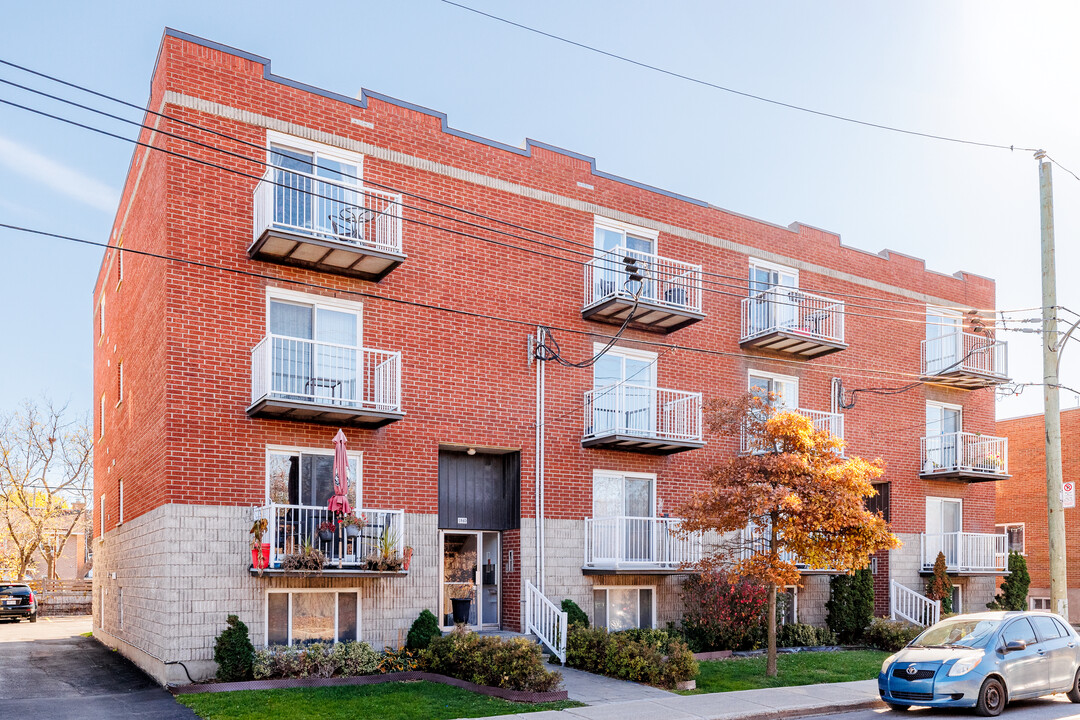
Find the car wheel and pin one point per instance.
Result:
(33, 618)
(1074, 691)
(991, 698)
(897, 708)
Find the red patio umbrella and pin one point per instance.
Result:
(339, 502)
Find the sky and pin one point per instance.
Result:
(994, 72)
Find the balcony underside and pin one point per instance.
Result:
(792, 343)
(635, 568)
(965, 572)
(325, 414)
(650, 316)
(965, 379)
(965, 475)
(641, 444)
(323, 254)
(329, 572)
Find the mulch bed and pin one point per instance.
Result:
(522, 696)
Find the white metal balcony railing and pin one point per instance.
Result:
(916, 608)
(288, 368)
(965, 551)
(964, 352)
(643, 411)
(349, 213)
(753, 540)
(831, 422)
(787, 309)
(666, 282)
(290, 527)
(641, 542)
(965, 452)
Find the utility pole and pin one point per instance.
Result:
(1055, 516)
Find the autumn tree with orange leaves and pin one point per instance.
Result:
(790, 496)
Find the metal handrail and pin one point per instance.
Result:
(642, 410)
(790, 309)
(665, 281)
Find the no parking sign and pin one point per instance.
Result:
(1068, 494)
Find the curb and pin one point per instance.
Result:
(811, 712)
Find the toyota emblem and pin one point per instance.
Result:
(911, 669)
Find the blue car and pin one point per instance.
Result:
(984, 660)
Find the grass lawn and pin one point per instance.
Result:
(804, 668)
(389, 701)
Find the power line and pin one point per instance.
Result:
(262, 149)
(733, 91)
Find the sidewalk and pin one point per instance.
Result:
(740, 704)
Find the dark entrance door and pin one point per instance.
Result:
(479, 492)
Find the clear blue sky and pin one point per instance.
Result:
(1002, 73)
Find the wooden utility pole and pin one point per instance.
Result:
(1055, 517)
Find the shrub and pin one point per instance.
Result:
(723, 612)
(851, 604)
(939, 587)
(802, 635)
(355, 658)
(315, 660)
(513, 664)
(890, 635)
(574, 614)
(1014, 588)
(648, 656)
(423, 629)
(400, 660)
(233, 652)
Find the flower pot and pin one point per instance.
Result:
(461, 609)
(408, 558)
(326, 535)
(260, 557)
(352, 531)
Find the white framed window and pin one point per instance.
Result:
(765, 275)
(784, 388)
(305, 476)
(1015, 533)
(120, 261)
(317, 187)
(1039, 603)
(943, 418)
(101, 317)
(618, 494)
(944, 345)
(120, 497)
(119, 383)
(957, 598)
(609, 234)
(624, 607)
(613, 243)
(101, 416)
(787, 600)
(101, 513)
(944, 523)
(304, 616)
(624, 392)
(624, 365)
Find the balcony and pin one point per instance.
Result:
(964, 360)
(642, 419)
(639, 545)
(964, 456)
(670, 296)
(831, 422)
(794, 322)
(309, 381)
(753, 540)
(290, 527)
(335, 227)
(965, 553)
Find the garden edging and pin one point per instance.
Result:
(523, 696)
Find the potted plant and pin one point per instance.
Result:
(260, 551)
(408, 557)
(385, 557)
(352, 525)
(326, 531)
(309, 561)
(461, 601)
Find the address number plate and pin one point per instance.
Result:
(463, 521)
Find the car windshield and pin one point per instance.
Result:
(957, 633)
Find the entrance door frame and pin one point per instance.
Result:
(482, 623)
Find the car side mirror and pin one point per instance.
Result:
(1014, 645)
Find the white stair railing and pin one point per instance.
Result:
(906, 604)
(545, 620)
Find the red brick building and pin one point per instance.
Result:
(360, 264)
(1021, 507)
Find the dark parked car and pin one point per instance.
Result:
(17, 601)
(984, 661)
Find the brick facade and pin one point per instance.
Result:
(193, 462)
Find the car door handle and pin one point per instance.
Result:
(1041, 652)
(1072, 645)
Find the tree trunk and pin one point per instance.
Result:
(770, 663)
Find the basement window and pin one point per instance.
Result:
(623, 608)
(303, 617)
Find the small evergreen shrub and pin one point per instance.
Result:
(647, 656)
(574, 614)
(803, 635)
(423, 629)
(514, 664)
(939, 587)
(1014, 589)
(890, 635)
(723, 612)
(233, 652)
(851, 604)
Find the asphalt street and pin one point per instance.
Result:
(48, 670)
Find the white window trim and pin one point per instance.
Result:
(627, 229)
(119, 383)
(101, 418)
(299, 298)
(291, 591)
(946, 406)
(930, 498)
(101, 317)
(1005, 528)
(274, 137)
(633, 354)
(768, 265)
(959, 598)
(354, 482)
(101, 513)
(120, 520)
(651, 477)
(652, 620)
(791, 403)
(1031, 603)
(119, 262)
(794, 601)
